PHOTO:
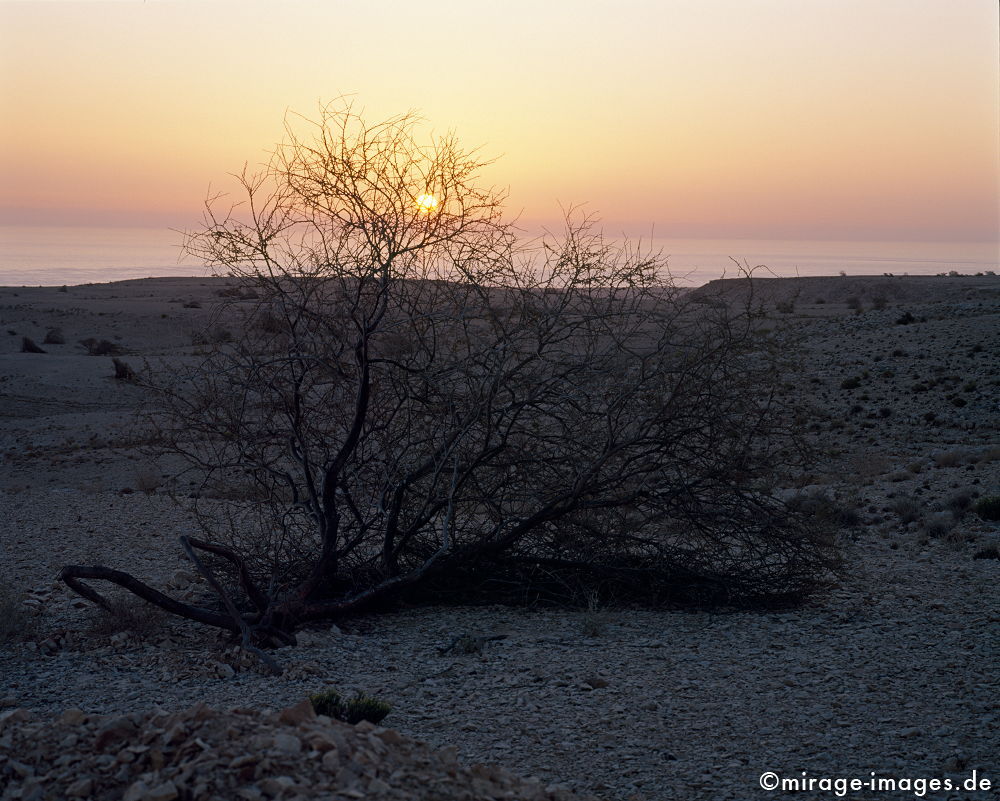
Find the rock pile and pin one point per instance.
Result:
(244, 754)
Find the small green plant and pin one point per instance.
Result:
(988, 507)
(54, 336)
(328, 702)
(850, 383)
(906, 319)
(360, 706)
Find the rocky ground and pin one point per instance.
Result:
(243, 753)
(892, 671)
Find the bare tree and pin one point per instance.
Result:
(417, 404)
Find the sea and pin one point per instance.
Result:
(54, 256)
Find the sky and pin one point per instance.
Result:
(812, 119)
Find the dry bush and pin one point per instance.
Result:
(214, 335)
(15, 617)
(988, 507)
(866, 466)
(102, 347)
(951, 458)
(990, 454)
(939, 524)
(824, 511)
(958, 503)
(595, 618)
(54, 336)
(907, 509)
(426, 409)
(124, 371)
(148, 479)
(129, 615)
(28, 345)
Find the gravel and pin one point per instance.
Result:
(894, 670)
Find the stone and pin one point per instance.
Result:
(22, 770)
(286, 743)
(12, 716)
(72, 716)
(331, 761)
(300, 713)
(136, 791)
(390, 736)
(81, 788)
(112, 731)
(162, 792)
(244, 759)
(276, 785)
(181, 579)
(224, 671)
(48, 646)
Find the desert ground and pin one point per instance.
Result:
(892, 670)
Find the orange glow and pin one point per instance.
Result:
(777, 118)
(426, 202)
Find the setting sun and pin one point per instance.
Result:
(427, 202)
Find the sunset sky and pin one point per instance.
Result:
(822, 119)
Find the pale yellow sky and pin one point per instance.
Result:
(870, 119)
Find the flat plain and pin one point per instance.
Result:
(891, 670)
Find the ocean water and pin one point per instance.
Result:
(50, 256)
